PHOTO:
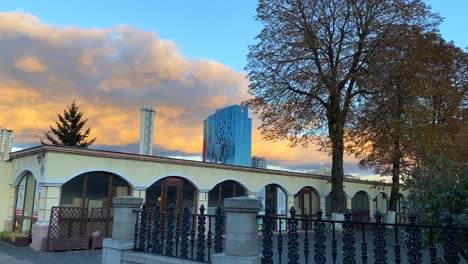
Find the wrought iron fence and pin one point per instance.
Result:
(327, 241)
(182, 235)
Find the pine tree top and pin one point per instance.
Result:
(68, 129)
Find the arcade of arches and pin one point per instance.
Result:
(96, 190)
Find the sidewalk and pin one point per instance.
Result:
(10, 255)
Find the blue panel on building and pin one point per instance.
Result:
(227, 137)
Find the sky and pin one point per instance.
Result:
(185, 58)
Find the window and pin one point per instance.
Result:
(93, 190)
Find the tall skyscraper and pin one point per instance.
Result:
(259, 162)
(147, 130)
(227, 136)
(6, 143)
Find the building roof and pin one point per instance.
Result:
(137, 157)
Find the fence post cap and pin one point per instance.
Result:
(127, 201)
(242, 204)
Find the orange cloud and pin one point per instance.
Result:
(30, 64)
(111, 72)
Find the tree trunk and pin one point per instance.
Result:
(396, 162)
(338, 201)
(335, 132)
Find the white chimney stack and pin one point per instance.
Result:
(147, 130)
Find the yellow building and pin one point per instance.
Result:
(46, 176)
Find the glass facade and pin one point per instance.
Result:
(227, 137)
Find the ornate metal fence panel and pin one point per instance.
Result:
(349, 241)
(179, 234)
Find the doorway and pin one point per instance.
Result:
(307, 202)
(172, 191)
(360, 207)
(172, 194)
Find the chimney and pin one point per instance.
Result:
(147, 130)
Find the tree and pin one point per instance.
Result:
(414, 101)
(304, 68)
(437, 189)
(68, 129)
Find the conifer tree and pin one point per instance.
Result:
(68, 129)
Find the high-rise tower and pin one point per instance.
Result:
(6, 142)
(227, 136)
(147, 130)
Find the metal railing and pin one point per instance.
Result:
(328, 241)
(182, 235)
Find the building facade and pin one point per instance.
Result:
(259, 162)
(35, 180)
(147, 130)
(227, 137)
(6, 143)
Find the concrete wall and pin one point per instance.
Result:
(5, 203)
(143, 258)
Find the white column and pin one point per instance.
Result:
(323, 205)
(50, 196)
(290, 204)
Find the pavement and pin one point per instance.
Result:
(25, 255)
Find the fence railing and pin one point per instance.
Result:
(78, 228)
(327, 241)
(182, 235)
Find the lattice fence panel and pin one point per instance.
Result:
(100, 222)
(67, 222)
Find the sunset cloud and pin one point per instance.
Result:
(111, 72)
(30, 64)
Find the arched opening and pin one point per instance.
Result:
(172, 191)
(360, 207)
(306, 202)
(223, 190)
(27, 204)
(93, 190)
(274, 197)
(328, 209)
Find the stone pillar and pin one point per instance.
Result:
(252, 195)
(123, 229)
(349, 203)
(242, 240)
(371, 210)
(391, 217)
(290, 204)
(139, 192)
(202, 199)
(39, 235)
(323, 205)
